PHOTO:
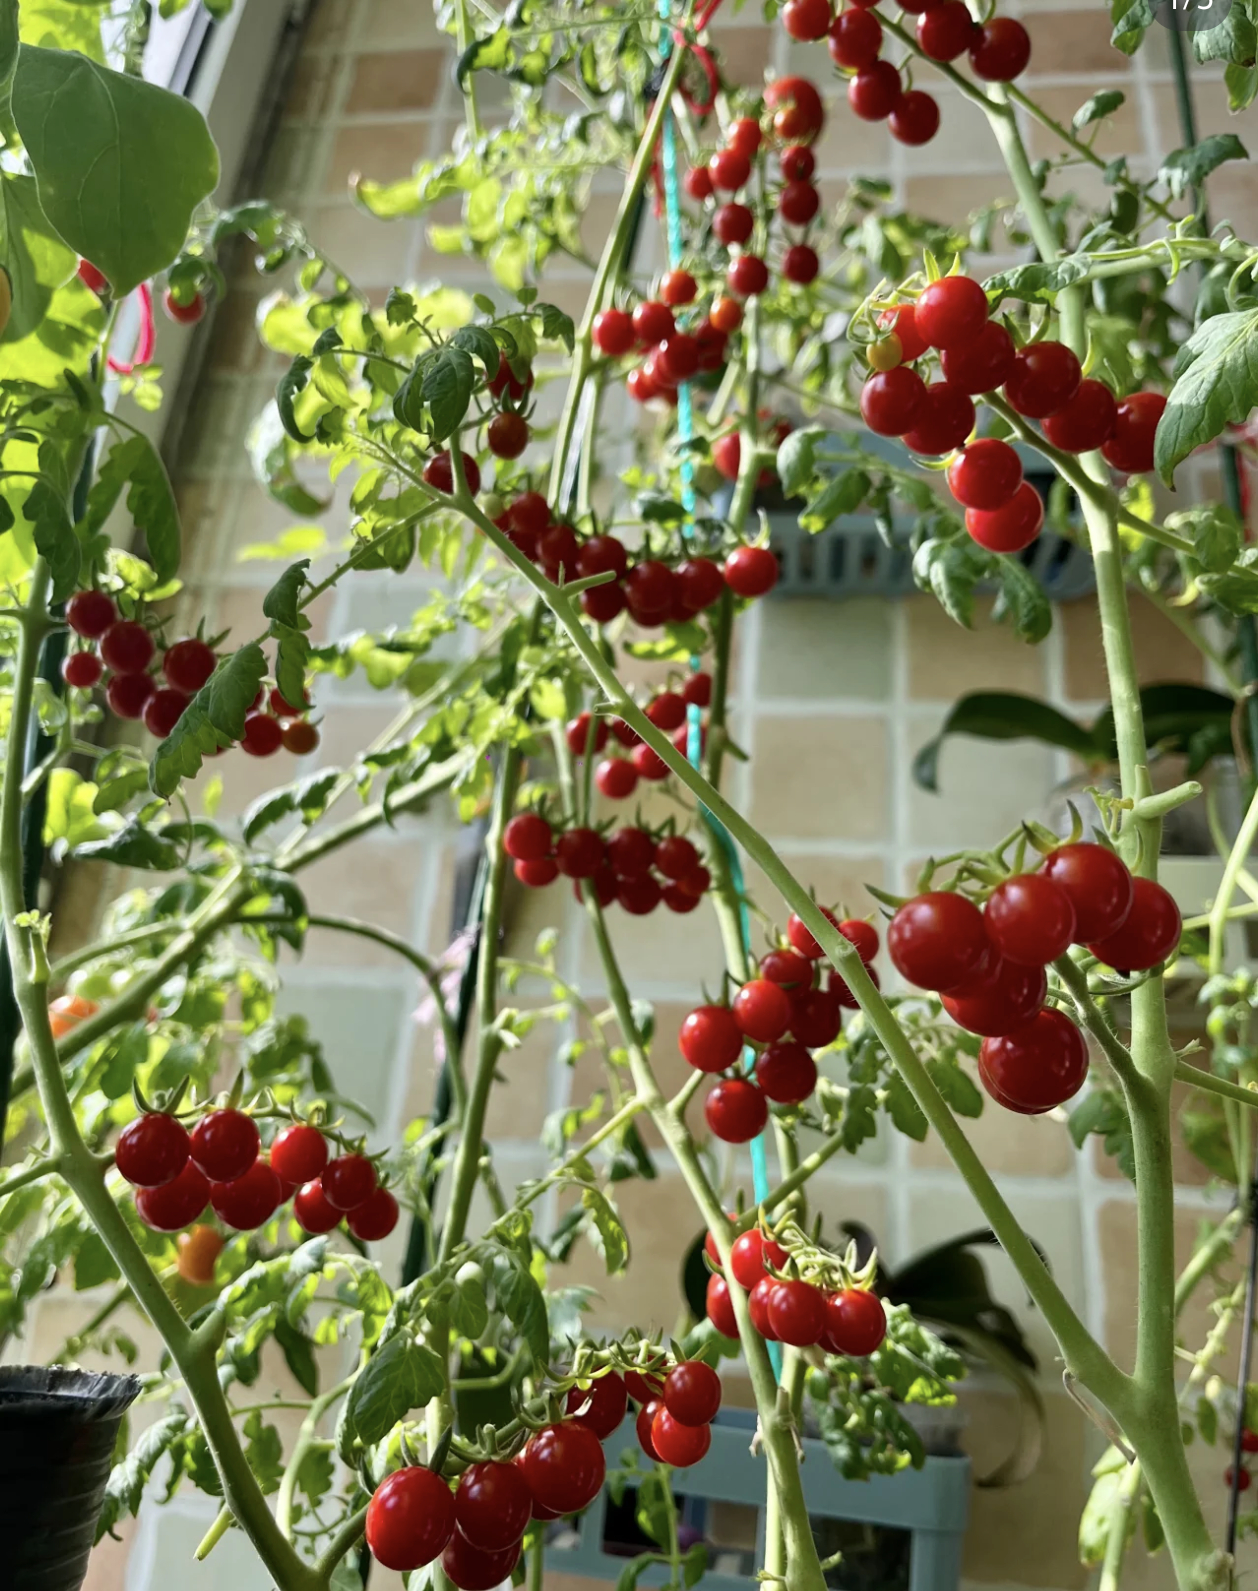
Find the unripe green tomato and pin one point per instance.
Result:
(97, 985)
(1124, 210)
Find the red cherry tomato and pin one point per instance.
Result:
(536, 875)
(915, 117)
(874, 92)
(677, 288)
(1149, 935)
(1030, 920)
(643, 1388)
(787, 1072)
(90, 613)
(758, 1301)
(613, 332)
(127, 694)
(188, 664)
(1000, 50)
(564, 1466)
(711, 1039)
(945, 31)
(313, 1212)
(983, 363)
(528, 838)
(1044, 378)
(797, 163)
(762, 1010)
(248, 1201)
(579, 853)
(815, 1018)
(677, 1444)
(163, 710)
(891, 400)
(945, 418)
(798, 202)
(937, 941)
(692, 1393)
(507, 435)
(617, 778)
(1036, 1067)
(806, 19)
(744, 135)
(652, 322)
(732, 224)
(676, 856)
(607, 1400)
(1010, 996)
(902, 321)
(1011, 527)
(152, 1150)
(1130, 448)
(1098, 885)
(472, 1569)
(644, 1422)
(855, 39)
(985, 475)
(409, 1518)
(802, 938)
(348, 1181)
(855, 1322)
(747, 276)
(787, 968)
(697, 691)
(729, 169)
(298, 1152)
(176, 1204)
(126, 647)
(751, 1253)
(263, 735)
(801, 264)
(439, 472)
(751, 571)
(720, 1307)
(1086, 421)
(797, 1313)
(698, 183)
(225, 1144)
(530, 513)
(736, 1111)
(796, 108)
(493, 1505)
(951, 311)
(631, 853)
(82, 670)
(375, 1217)
(185, 313)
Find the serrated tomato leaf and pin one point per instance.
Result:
(1216, 385)
(214, 718)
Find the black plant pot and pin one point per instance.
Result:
(57, 1433)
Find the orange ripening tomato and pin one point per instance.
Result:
(67, 1011)
(198, 1249)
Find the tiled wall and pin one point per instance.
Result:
(831, 702)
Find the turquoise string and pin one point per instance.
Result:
(694, 734)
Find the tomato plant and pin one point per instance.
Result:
(176, 1136)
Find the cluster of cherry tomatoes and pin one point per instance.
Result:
(849, 1320)
(670, 355)
(786, 1012)
(617, 776)
(1043, 382)
(988, 966)
(177, 1173)
(622, 867)
(477, 1529)
(128, 650)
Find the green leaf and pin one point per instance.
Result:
(120, 164)
(64, 25)
(291, 385)
(36, 259)
(841, 494)
(1131, 22)
(127, 1480)
(117, 792)
(1102, 1112)
(796, 458)
(1184, 169)
(133, 845)
(54, 537)
(479, 342)
(1216, 385)
(957, 1087)
(448, 384)
(1032, 282)
(70, 814)
(557, 326)
(904, 1110)
(291, 657)
(150, 500)
(1005, 715)
(281, 600)
(1216, 532)
(1242, 86)
(214, 718)
(520, 1297)
(93, 1263)
(402, 1376)
(1234, 39)
(299, 1356)
(607, 1230)
(1096, 108)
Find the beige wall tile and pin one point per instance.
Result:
(662, 1223)
(955, 198)
(368, 882)
(986, 788)
(836, 882)
(1019, 1146)
(395, 80)
(374, 253)
(812, 648)
(1073, 41)
(1162, 652)
(945, 662)
(382, 152)
(1119, 133)
(820, 778)
(397, 22)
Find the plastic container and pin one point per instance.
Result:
(58, 1429)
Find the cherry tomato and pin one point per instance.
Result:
(631, 853)
(375, 1217)
(985, 475)
(798, 202)
(758, 1301)
(92, 278)
(855, 1322)
(67, 1011)
(607, 1399)
(787, 1073)
(806, 19)
(802, 938)
(644, 1422)
(1086, 421)
(863, 935)
(314, 1214)
(945, 417)
(492, 1505)
(720, 1308)
(800, 264)
(747, 276)
(1249, 1441)
(855, 39)
(901, 322)
(643, 1388)
(348, 1181)
(652, 322)
(536, 875)
(797, 1313)
(163, 710)
(998, 1004)
(729, 169)
(677, 1444)
(410, 1518)
(579, 853)
(82, 670)
(815, 1018)
(263, 735)
(676, 856)
(751, 571)
(528, 838)
(188, 664)
(1000, 50)
(198, 1251)
(1036, 1067)
(698, 183)
(1011, 527)
(891, 400)
(697, 691)
(727, 452)
(152, 1150)
(945, 31)
(914, 119)
(678, 355)
(1044, 378)
(1242, 1484)
(1098, 886)
(126, 647)
(762, 1010)
(90, 613)
(1029, 919)
(937, 941)
(185, 313)
(530, 513)
(472, 1569)
(298, 1152)
(602, 554)
(951, 311)
(605, 885)
(732, 224)
(983, 363)
(1130, 448)
(677, 288)
(300, 738)
(507, 435)
(177, 1204)
(506, 380)
(692, 1393)
(617, 778)
(604, 603)
(796, 108)
(564, 1466)
(224, 1144)
(248, 1201)
(751, 1253)
(1149, 935)
(559, 551)
(736, 1111)
(874, 92)
(439, 472)
(787, 968)
(744, 135)
(649, 590)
